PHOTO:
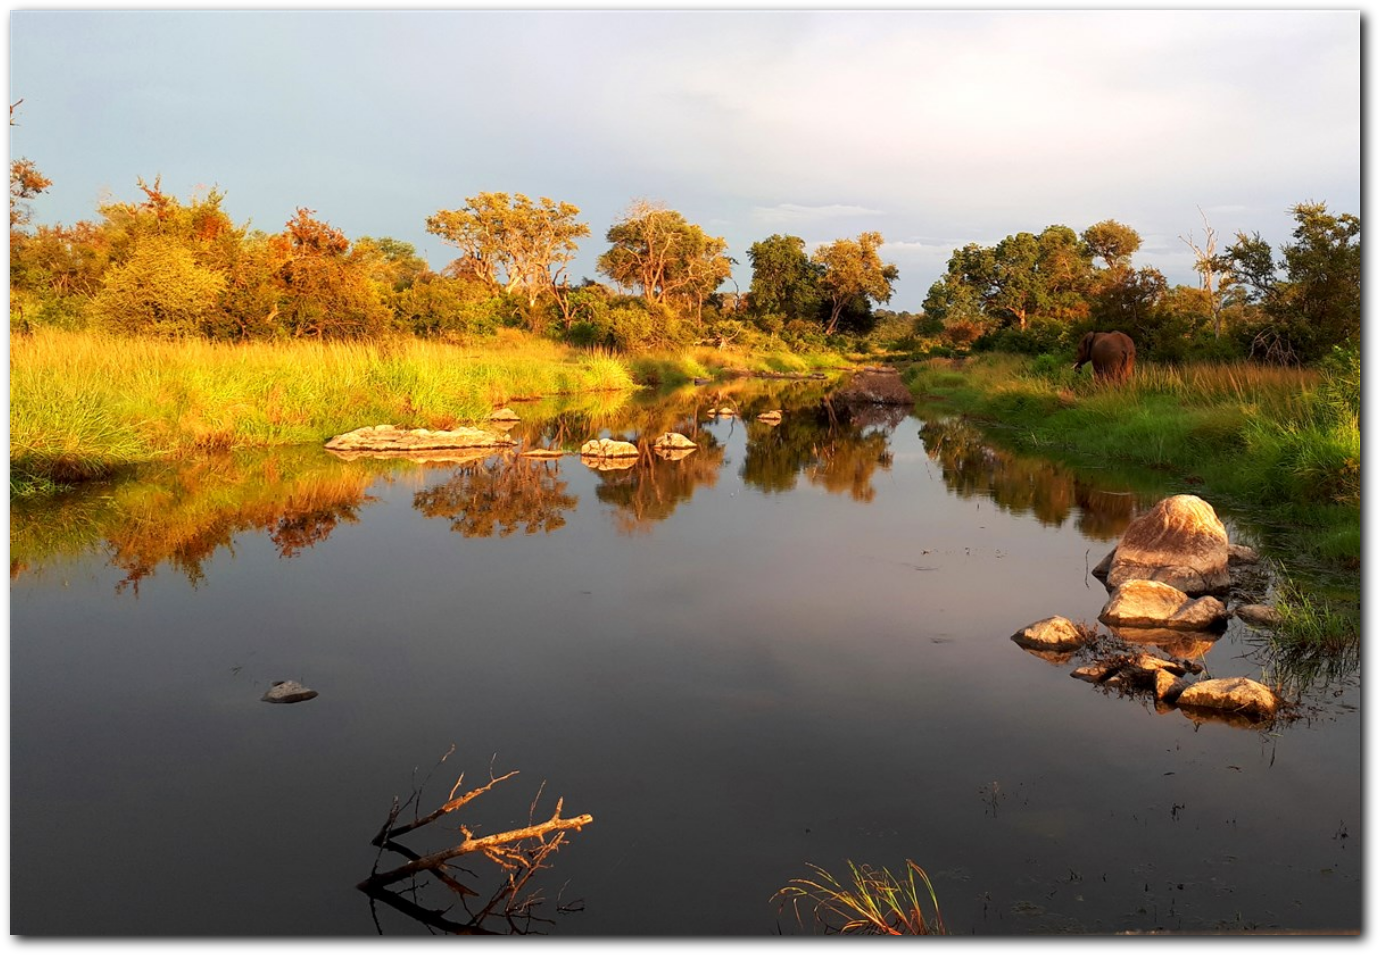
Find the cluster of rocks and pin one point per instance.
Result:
(467, 444)
(1167, 578)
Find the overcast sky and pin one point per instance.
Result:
(934, 128)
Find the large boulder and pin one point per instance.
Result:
(1180, 542)
(1239, 695)
(1149, 603)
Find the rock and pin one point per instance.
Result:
(770, 417)
(288, 691)
(1094, 672)
(504, 414)
(671, 441)
(1050, 634)
(876, 386)
(1259, 615)
(1238, 695)
(1152, 664)
(1104, 566)
(1149, 603)
(1167, 688)
(543, 453)
(700, 381)
(607, 448)
(387, 440)
(1241, 554)
(1180, 542)
(725, 412)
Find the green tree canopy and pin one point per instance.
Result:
(784, 280)
(1112, 242)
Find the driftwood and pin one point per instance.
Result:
(518, 853)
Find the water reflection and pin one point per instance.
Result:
(836, 447)
(971, 467)
(498, 496)
(181, 516)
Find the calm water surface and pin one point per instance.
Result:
(790, 647)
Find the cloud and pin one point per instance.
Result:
(789, 212)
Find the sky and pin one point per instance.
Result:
(933, 128)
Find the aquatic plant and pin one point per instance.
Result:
(876, 903)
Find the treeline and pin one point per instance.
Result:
(1040, 293)
(166, 267)
(162, 266)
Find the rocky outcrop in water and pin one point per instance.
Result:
(1259, 615)
(880, 386)
(1149, 603)
(770, 417)
(389, 440)
(671, 441)
(1180, 542)
(1238, 695)
(608, 448)
(1051, 633)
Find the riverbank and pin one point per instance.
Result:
(84, 406)
(1282, 442)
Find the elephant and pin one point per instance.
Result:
(1112, 354)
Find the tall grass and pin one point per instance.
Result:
(83, 405)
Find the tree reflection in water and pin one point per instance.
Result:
(500, 495)
(836, 447)
(973, 468)
(651, 490)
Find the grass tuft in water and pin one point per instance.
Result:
(876, 903)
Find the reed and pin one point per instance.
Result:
(876, 903)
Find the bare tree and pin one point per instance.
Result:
(1209, 266)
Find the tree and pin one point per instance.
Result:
(511, 243)
(325, 289)
(852, 273)
(160, 289)
(1317, 302)
(1022, 276)
(1208, 265)
(658, 253)
(1112, 242)
(784, 280)
(26, 182)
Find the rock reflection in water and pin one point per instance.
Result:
(973, 468)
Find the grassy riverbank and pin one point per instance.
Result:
(1284, 442)
(84, 405)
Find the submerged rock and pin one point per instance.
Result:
(288, 691)
(1259, 615)
(1180, 542)
(1149, 603)
(1241, 554)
